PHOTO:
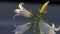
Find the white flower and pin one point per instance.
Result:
(22, 28)
(45, 28)
(22, 11)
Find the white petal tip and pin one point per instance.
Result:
(17, 10)
(53, 25)
(15, 16)
(18, 32)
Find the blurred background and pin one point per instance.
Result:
(7, 8)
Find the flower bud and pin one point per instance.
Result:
(42, 10)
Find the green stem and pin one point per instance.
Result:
(37, 18)
(37, 25)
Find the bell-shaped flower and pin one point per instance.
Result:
(45, 28)
(22, 11)
(22, 28)
(42, 10)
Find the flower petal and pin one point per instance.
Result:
(22, 28)
(22, 11)
(55, 29)
(20, 5)
(53, 25)
(15, 16)
(18, 32)
(26, 13)
(18, 11)
(45, 28)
